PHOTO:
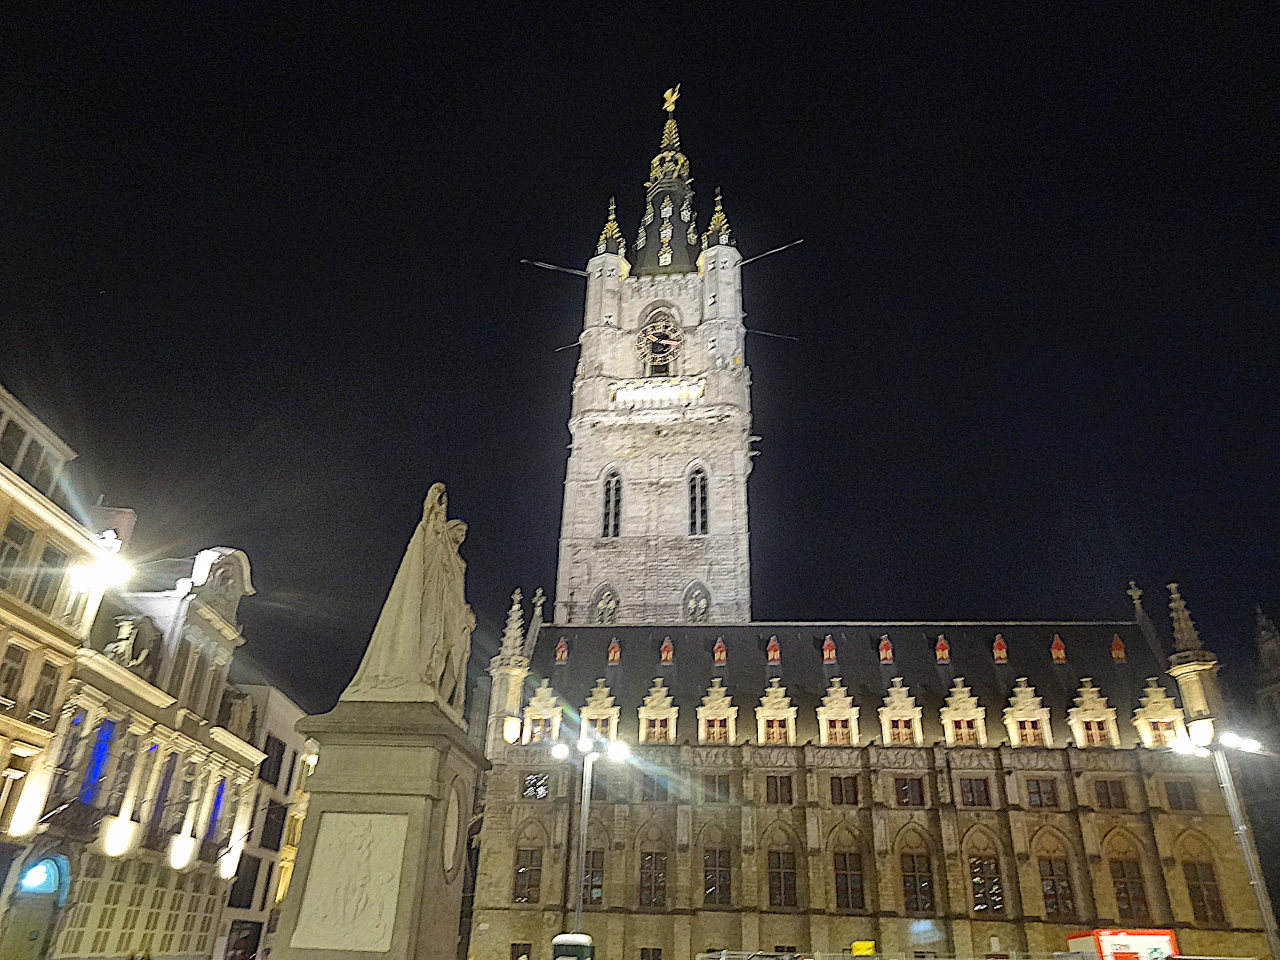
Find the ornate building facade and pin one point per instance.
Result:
(948, 789)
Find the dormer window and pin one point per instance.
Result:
(1163, 733)
(965, 732)
(717, 730)
(838, 732)
(717, 716)
(1095, 733)
(657, 730)
(775, 731)
(1030, 733)
(900, 731)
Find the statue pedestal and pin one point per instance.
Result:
(383, 851)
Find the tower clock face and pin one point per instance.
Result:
(659, 341)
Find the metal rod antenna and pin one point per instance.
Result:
(568, 346)
(766, 333)
(552, 266)
(759, 256)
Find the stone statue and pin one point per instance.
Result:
(420, 644)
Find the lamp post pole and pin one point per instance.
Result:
(1240, 826)
(588, 771)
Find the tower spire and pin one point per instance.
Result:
(718, 232)
(667, 241)
(513, 633)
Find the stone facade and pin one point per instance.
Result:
(985, 804)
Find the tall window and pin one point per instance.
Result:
(48, 578)
(124, 768)
(527, 885)
(612, 518)
(13, 545)
(1131, 892)
(269, 769)
(697, 502)
(46, 692)
(917, 883)
(984, 878)
(782, 878)
(653, 878)
(1202, 885)
(844, 791)
(11, 670)
(1055, 882)
(716, 877)
(539, 730)
(273, 825)
(593, 878)
(848, 874)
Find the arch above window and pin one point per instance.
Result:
(697, 486)
(611, 516)
(604, 605)
(696, 604)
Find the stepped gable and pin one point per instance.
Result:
(745, 675)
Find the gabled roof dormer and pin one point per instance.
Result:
(900, 717)
(964, 719)
(837, 716)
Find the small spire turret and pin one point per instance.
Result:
(1185, 636)
(611, 239)
(718, 232)
(513, 633)
(1135, 594)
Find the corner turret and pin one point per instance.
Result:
(1196, 671)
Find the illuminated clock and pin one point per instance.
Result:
(659, 341)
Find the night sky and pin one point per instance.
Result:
(261, 269)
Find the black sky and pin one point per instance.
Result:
(261, 269)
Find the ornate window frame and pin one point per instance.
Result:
(837, 705)
(900, 705)
(695, 605)
(1091, 706)
(1156, 706)
(1025, 705)
(962, 705)
(600, 708)
(697, 485)
(775, 705)
(603, 609)
(718, 705)
(658, 705)
(543, 705)
(611, 504)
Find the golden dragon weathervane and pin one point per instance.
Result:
(670, 98)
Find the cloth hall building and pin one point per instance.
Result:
(946, 789)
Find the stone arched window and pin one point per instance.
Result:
(697, 502)
(1055, 867)
(653, 867)
(849, 884)
(1123, 857)
(526, 879)
(611, 516)
(696, 604)
(915, 863)
(593, 867)
(604, 605)
(986, 887)
(782, 870)
(717, 868)
(1201, 877)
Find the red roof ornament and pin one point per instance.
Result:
(719, 655)
(667, 652)
(1000, 649)
(1117, 648)
(562, 650)
(886, 650)
(615, 651)
(942, 650)
(773, 652)
(828, 650)
(1058, 650)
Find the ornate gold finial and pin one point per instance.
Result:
(611, 240)
(718, 228)
(1185, 636)
(669, 99)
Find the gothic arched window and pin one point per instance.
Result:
(604, 605)
(697, 502)
(697, 603)
(611, 522)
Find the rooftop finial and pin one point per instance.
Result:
(1185, 636)
(1135, 594)
(669, 99)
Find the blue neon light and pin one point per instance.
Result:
(99, 754)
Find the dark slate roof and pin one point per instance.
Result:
(745, 676)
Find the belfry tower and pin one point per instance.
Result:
(654, 526)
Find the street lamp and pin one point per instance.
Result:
(590, 748)
(1217, 749)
